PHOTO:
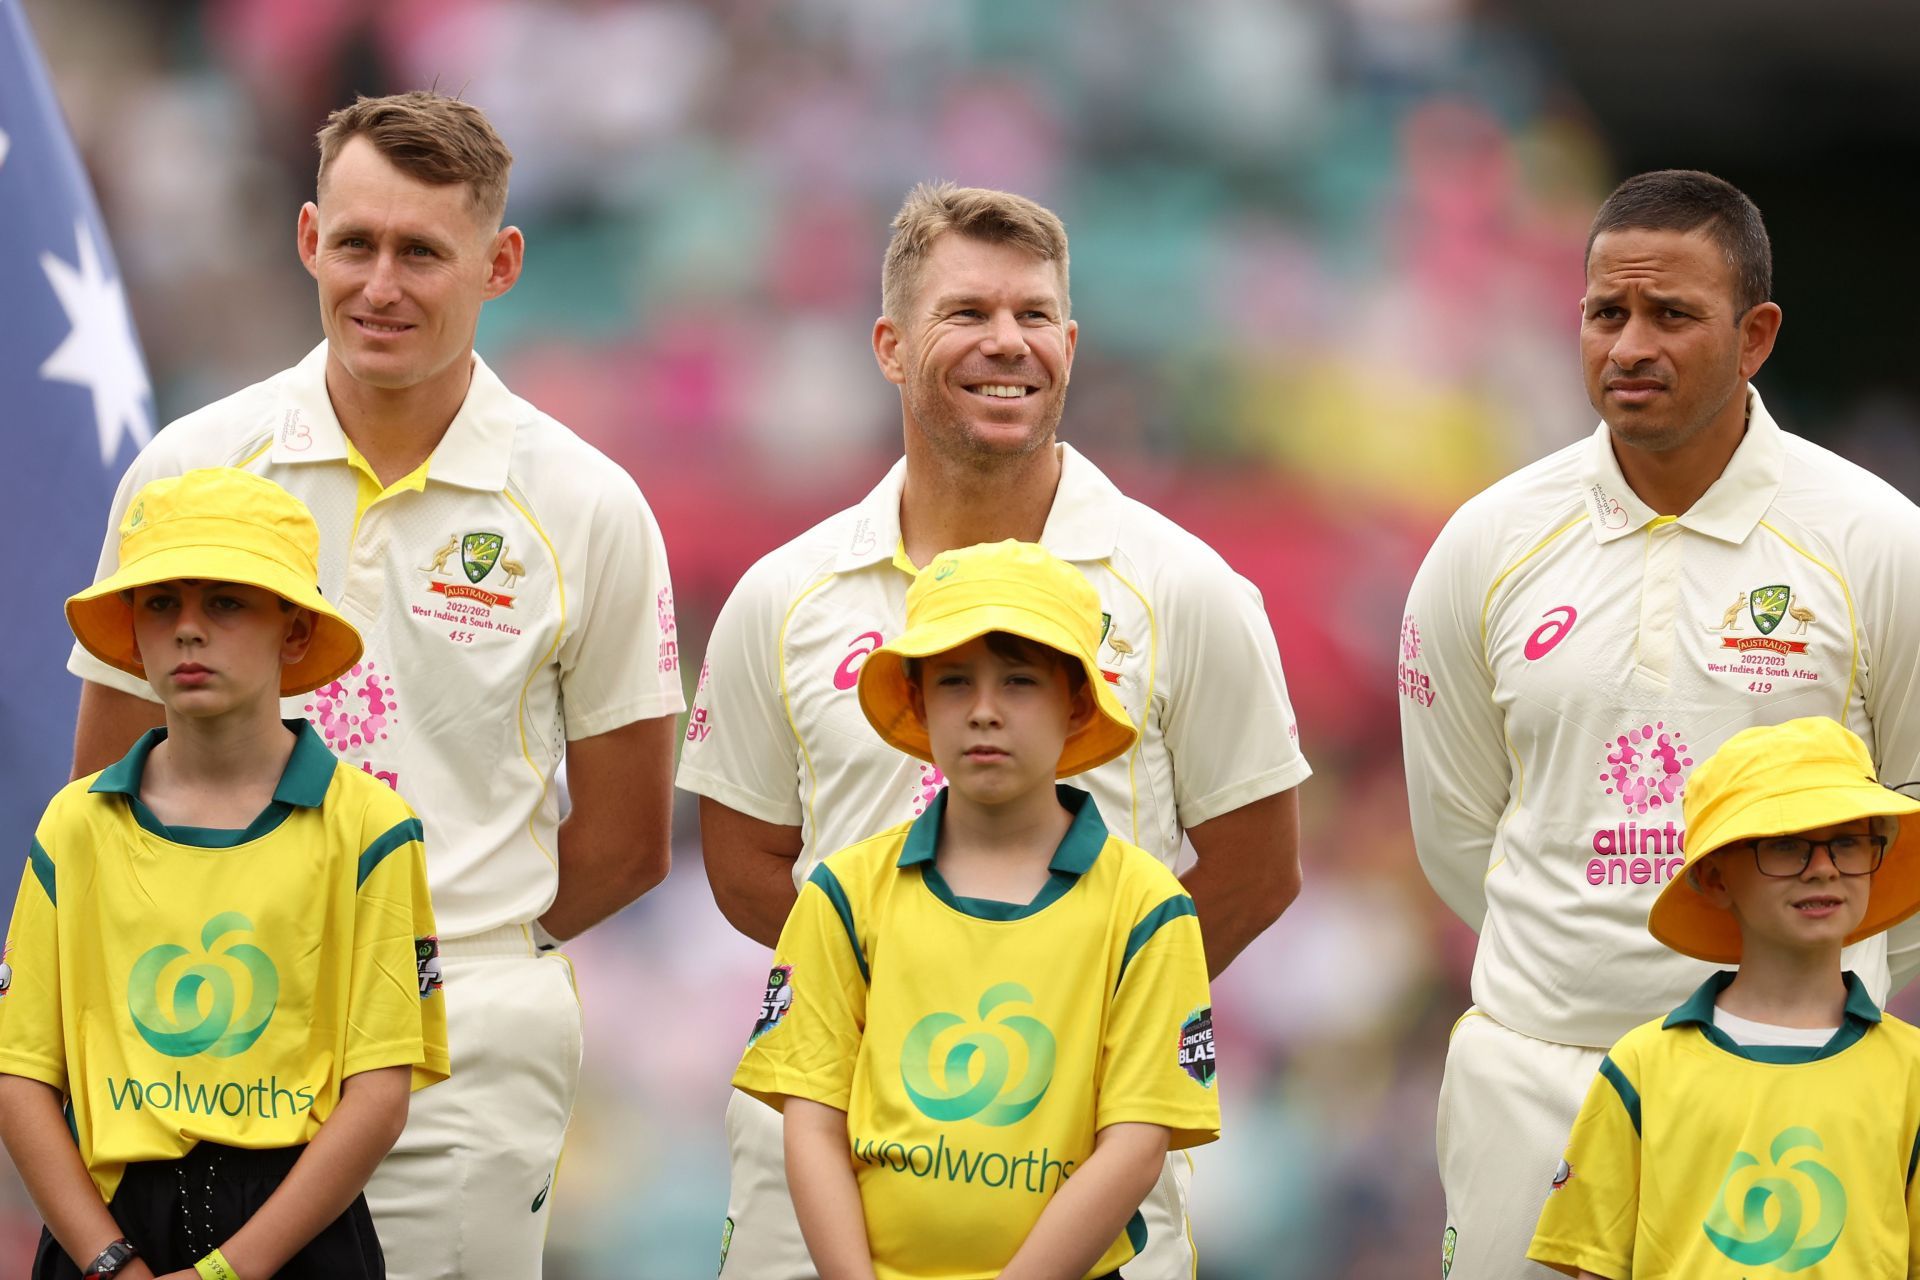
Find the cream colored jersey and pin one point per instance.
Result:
(513, 593)
(1567, 656)
(776, 730)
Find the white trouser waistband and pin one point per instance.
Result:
(508, 942)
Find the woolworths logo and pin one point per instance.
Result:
(1786, 1212)
(954, 1070)
(217, 1002)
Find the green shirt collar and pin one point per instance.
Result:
(1086, 836)
(1858, 1015)
(303, 784)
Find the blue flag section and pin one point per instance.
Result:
(75, 406)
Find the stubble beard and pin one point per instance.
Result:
(956, 442)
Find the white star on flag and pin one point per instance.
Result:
(99, 352)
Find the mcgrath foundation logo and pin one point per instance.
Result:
(217, 1002)
(1790, 1211)
(354, 711)
(975, 1060)
(1646, 768)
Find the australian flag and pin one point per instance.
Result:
(75, 406)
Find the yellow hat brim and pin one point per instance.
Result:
(888, 704)
(1684, 920)
(102, 619)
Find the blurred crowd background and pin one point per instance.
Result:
(1326, 259)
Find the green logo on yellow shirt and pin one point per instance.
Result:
(976, 1059)
(1775, 1226)
(216, 1003)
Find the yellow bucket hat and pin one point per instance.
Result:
(1775, 780)
(218, 524)
(1015, 587)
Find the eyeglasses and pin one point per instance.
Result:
(1852, 854)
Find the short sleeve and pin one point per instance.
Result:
(1228, 724)
(397, 1012)
(1157, 1057)
(740, 749)
(32, 1043)
(807, 1026)
(1593, 1211)
(621, 661)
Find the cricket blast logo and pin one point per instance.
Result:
(775, 1004)
(1196, 1046)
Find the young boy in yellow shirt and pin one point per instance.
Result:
(1771, 1124)
(222, 954)
(986, 1027)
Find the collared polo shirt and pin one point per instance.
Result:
(1567, 656)
(776, 730)
(514, 596)
(182, 984)
(977, 1047)
(1698, 1158)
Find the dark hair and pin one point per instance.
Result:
(1689, 200)
(1011, 648)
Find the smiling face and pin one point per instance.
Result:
(998, 716)
(217, 648)
(1812, 911)
(983, 359)
(403, 267)
(1665, 349)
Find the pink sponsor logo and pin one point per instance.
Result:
(1558, 622)
(847, 674)
(669, 640)
(1414, 684)
(1409, 639)
(1646, 771)
(931, 780)
(354, 711)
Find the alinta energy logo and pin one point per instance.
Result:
(1646, 771)
(217, 1002)
(1789, 1211)
(974, 1061)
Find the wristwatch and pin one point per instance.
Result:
(110, 1259)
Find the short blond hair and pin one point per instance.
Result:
(428, 136)
(933, 209)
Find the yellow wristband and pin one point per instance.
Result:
(214, 1267)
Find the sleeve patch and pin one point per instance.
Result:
(426, 958)
(1196, 1046)
(1416, 686)
(6, 974)
(776, 1004)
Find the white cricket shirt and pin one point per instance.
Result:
(513, 594)
(1567, 656)
(776, 730)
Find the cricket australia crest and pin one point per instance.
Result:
(479, 552)
(1768, 605)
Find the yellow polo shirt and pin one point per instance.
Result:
(1696, 1158)
(181, 984)
(978, 1047)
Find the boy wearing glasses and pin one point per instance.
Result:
(1772, 1122)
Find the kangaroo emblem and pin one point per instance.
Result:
(443, 555)
(1731, 622)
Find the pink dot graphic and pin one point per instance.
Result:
(1646, 768)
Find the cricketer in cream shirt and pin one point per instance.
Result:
(1567, 655)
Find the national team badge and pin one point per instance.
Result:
(726, 1243)
(1768, 605)
(426, 962)
(479, 552)
(1196, 1046)
(1447, 1242)
(776, 1004)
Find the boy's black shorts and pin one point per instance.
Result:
(177, 1211)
